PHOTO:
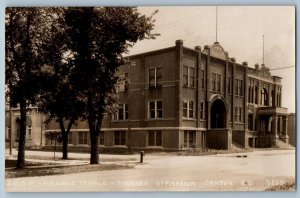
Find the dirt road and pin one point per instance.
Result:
(225, 172)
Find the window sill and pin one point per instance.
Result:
(185, 86)
(189, 119)
(239, 123)
(120, 120)
(216, 92)
(85, 145)
(153, 119)
(154, 146)
(120, 146)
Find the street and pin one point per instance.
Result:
(258, 171)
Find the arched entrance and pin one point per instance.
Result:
(218, 114)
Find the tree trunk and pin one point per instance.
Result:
(94, 146)
(65, 145)
(21, 149)
(65, 135)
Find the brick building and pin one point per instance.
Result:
(179, 98)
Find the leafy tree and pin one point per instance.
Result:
(58, 97)
(26, 29)
(98, 37)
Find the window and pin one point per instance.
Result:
(238, 114)
(155, 77)
(122, 113)
(188, 76)
(213, 82)
(238, 87)
(264, 97)
(70, 138)
(202, 110)
(255, 94)
(191, 77)
(272, 98)
(251, 93)
(155, 109)
(82, 137)
(123, 84)
(278, 96)
(154, 138)
(28, 135)
(216, 82)
(189, 139)
(202, 79)
(229, 85)
(188, 109)
(120, 138)
(101, 138)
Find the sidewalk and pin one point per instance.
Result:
(74, 159)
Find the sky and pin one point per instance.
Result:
(240, 31)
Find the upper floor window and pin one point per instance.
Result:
(278, 97)
(188, 76)
(188, 109)
(155, 77)
(229, 85)
(155, 109)
(122, 113)
(238, 114)
(216, 82)
(202, 79)
(264, 97)
(202, 110)
(238, 87)
(123, 83)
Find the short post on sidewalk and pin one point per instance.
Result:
(142, 156)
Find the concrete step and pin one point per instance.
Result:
(281, 144)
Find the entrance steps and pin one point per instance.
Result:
(236, 146)
(281, 144)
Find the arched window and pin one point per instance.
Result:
(256, 94)
(264, 97)
(272, 98)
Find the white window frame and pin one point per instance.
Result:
(116, 116)
(202, 111)
(186, 142)
(189, 76)
(188, 108)
(156, 83)
(84, 133)
(29, 132)
(238, 114)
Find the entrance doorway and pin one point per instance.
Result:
(218, 114)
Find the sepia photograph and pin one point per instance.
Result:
(150, 99)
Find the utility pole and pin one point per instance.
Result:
(263, 50)
(216, 24)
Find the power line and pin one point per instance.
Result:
(282, 68)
